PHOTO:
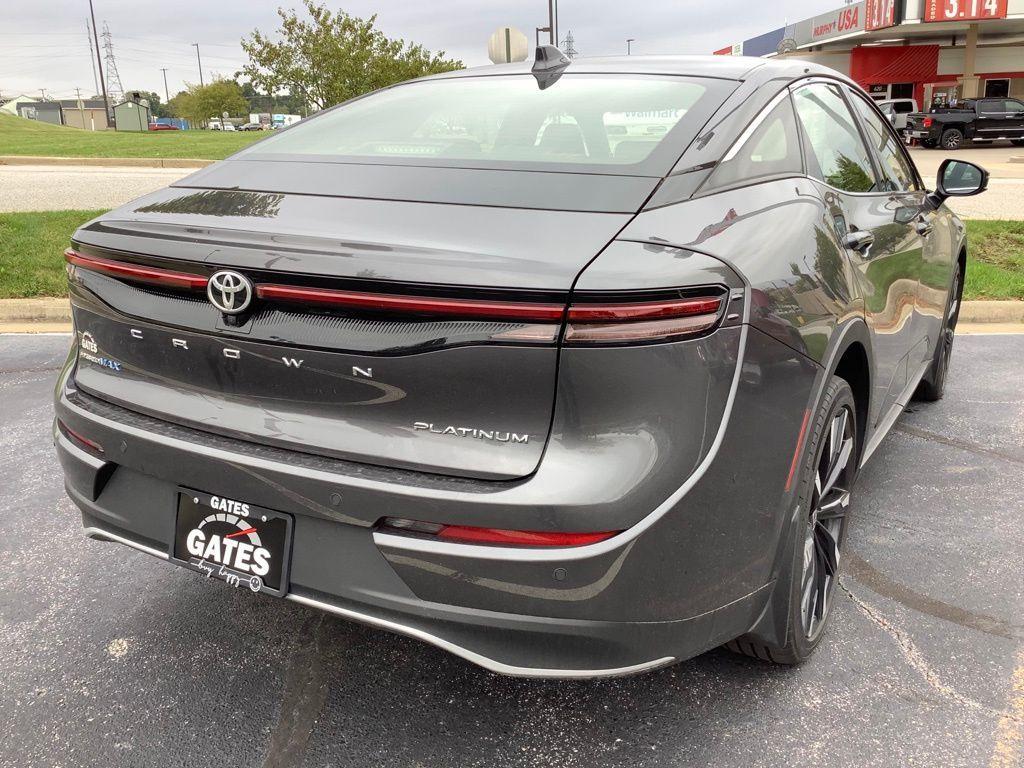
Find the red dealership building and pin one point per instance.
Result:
(935, 51)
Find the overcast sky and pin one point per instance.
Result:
(43, 43)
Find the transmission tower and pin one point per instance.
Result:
(114, 87)
(568, 46)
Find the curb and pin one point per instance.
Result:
(59, 311)
(131, 162)
(35, 311)
(1016, 159)
(992, 312)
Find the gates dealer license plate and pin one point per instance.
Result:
(240, 543)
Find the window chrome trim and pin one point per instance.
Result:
(754, 125)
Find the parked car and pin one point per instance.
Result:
(251, 127)
(578, 405)
(975, 120)
(163, 127)
(229, 126)
(896, 110)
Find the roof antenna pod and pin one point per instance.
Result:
(549, 65)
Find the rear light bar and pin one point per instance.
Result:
(465, 534)
(641, 321)
(606, 322)
(81, 440)
(154, 275)
(464, 308)
(926, 123)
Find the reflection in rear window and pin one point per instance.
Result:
(581, 119)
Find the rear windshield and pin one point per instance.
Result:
(605, 121)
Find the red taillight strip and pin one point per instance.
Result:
(502, 536)
(504, 310)
(137, 272)
(644, 310)
(467, 534)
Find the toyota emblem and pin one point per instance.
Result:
(229, 292)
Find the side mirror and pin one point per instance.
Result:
(957, 178)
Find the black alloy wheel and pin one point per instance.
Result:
(826, 522)
(801, 603)
(952, 139)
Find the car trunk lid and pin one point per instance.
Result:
(413, 380)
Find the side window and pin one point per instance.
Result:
(771, 149)
(904, 107)
(836, 153)
(898, 173)
(1013, 106)
(990, 107)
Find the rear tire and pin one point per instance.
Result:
(803, 596)
(952, 139)
(933, 384)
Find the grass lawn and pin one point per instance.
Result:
(32, 255)
(32, 252)
(995, 260)
(19, 136)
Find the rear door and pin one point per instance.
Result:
(876, 226)
(993, 120)
(1014, 118)
(924, 251)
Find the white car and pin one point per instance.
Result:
(897, 110)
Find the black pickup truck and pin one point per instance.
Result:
(972, 120)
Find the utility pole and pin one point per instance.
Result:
(167, 94)
(93, 58)
(629, 45)
(200, 65)
(103, 85)
(81, 107)
(552, 29)
(43, 92)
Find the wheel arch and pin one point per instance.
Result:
(849, 353)
(851, 359)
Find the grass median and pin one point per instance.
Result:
(19, 136)
(32, 262)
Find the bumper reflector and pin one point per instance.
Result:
(466, 534)
(80, 440)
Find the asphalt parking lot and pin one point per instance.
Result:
(109, 657)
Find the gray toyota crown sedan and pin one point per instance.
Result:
(565, 367)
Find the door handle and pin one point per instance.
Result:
(858, 240)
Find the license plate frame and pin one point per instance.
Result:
(251, 527)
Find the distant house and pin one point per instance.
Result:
(132, 115)
(11, 105)
(43, 111)
(90, 114)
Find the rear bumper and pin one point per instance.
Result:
(689, 573)
(363, 588)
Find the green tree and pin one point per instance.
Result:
(200, 103)
(333, 57)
